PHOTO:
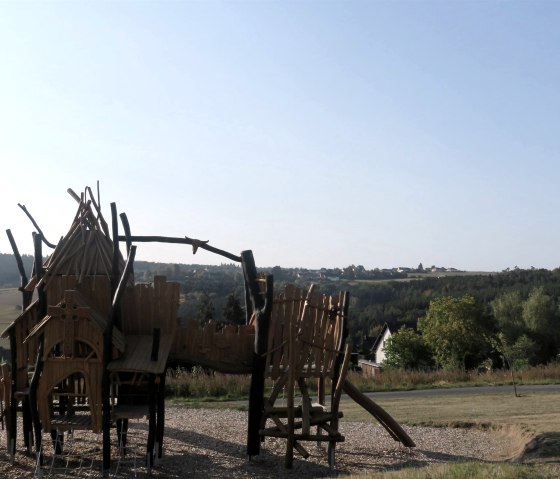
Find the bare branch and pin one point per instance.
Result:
(49, 244)
(185, 240)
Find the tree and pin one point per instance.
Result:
(233, 312)
(205, 308)
(454, 330)
(522, 352)
(538, 311)
(406, 349)
(517, 355)
(508, 313)
(539, 315)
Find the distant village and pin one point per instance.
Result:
(359, 272)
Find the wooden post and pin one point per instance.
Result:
(154, 403)
(11, 419)
(127, 235)
(262, 309)
(42, 310)
(108, 347)
(345, 303)
(160, 426)
(115, 273)
(155, 344)
(151, 421)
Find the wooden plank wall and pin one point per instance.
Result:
(286, 309)
(97, 289)
(228, 350)
(146, 307)
(316, 330)
(320, 331)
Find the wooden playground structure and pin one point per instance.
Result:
(91, 348)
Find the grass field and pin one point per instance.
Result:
(532, 423)
(470, 471)
(534, 416)
(9, 299)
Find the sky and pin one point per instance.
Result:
(314, 133)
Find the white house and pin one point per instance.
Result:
(380, 343)
(373, 368)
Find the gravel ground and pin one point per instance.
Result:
(203, 443)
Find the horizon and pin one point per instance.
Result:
(226, 263)
(312, 133)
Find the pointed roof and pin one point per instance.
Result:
(379, 338)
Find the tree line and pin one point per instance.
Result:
(447, 321)
(511, 330)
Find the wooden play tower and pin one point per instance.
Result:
(91, 347)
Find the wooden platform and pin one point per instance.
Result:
(75, 421)
(137, 358)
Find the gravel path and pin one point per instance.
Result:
(210, 443)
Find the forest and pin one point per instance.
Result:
(501, 318)
(513, 310)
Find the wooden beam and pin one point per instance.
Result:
(384, 418)
(186, 240)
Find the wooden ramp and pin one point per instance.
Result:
(384, 418)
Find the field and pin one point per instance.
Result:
(9, 299)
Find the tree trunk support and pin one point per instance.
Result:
(11, 419)
(42, 310)
(261, 307)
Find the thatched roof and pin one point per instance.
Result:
(87, 248)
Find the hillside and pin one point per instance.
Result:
(9, 274)
(397, 296)
(10, 308)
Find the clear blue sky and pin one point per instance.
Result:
(316, 133)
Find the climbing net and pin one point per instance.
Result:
(78, 454)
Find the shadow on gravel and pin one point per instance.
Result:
(543, 448)
(185, 456)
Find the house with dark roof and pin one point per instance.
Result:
(373, 367)
(380, 343)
